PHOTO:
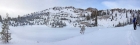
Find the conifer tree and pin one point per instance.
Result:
(5, 35)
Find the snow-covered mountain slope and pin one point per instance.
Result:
(70, 16)
(116, 17)
(41, 35)
(67, 15)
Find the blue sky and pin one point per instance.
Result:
(21, 7)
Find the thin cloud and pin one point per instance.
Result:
(21, 7)
(129, 4)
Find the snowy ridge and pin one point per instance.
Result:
(70, 16)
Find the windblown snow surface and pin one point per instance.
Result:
(42, 35)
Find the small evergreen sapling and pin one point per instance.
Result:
(5, 35)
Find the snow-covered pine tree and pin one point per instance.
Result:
(5, 35)
(119, 25)
(112, 18)
(108, 13)
(116, 15)
(96, 22)
(0, 19)
(47, 21)
(88, 17)
(128, 22)
(126, 15)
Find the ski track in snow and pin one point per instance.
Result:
(131, 37)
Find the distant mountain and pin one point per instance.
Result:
(76, 17)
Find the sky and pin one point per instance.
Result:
(22, 7)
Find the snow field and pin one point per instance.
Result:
(42, 35)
